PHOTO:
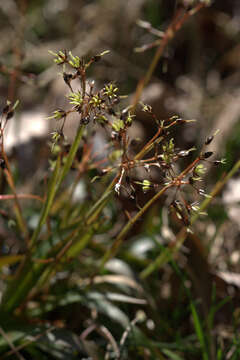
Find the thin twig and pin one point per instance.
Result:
(169, 34)
(119, 239)
(21, 222)
(22, 346)
(14, 349)
(104, 332)
(21, 196)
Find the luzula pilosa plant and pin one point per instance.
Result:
(102, 107)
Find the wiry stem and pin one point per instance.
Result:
(169, 34)
(118, 241)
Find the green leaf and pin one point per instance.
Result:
(199, 330)
(172, 355)
(52, 188)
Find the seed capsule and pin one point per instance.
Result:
(191, 180)
(2, 163)
(217, 162)
(10, 115)
(85, 120)
(207, 154)
(116, 100)
(96, 58)
(115, 136)
(6, 109)
(124, 114)
(208, 140)
(67, 79)
(111, 111)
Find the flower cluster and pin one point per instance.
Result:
(102, 107)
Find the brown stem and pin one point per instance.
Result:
(18, 210)
(119, 239)
(169, 34)
(21, 196)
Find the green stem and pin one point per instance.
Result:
(71, 155)
(118, 241)
(99, 205)
(31, 271)
(49, 200)
(17, 208)
(18, 289)
(171, 31)
(73, 248)
(55, 182)
(166, 255)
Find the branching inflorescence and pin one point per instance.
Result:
(102, 107)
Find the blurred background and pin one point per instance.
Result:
(198, 77)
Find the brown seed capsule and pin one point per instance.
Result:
(85, 120)
(9, 115)
(67, 78)
(183, 153)
(96, 58)
(217, 162)
(191, 180)
(6, 109)
(116, 100)
(207, 154)
(111, 111)
(2, 163)
(208, 140)
(115, 136)
(124, 114)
